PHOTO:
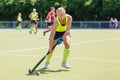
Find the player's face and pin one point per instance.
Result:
(52, 9)
(20, 14)
(61, 15)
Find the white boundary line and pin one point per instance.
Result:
(22, 50)
(96, 59)
(93, 41)
(77, 43)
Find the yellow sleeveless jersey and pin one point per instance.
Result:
(61, 28)
(19, 18)
(34, 16)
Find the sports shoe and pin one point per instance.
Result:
(30, 32)
(46, 65)
(44, 33)
(65, 65)
(35, 32)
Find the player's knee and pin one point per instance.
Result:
(67, 45)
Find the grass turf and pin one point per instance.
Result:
(95, 55)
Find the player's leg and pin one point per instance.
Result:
(48, 58)
(31, 26)
(17, 25)
(34, 28)
(66, 41)
(49, 28)
(56, 37)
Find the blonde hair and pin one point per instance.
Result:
(61, 9)
(52, 8)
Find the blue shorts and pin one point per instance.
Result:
(33, 22)
(18, 22)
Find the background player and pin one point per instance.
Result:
(19, 20)
(33, 17)
(50, 20)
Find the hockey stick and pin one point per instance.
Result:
(59, 41)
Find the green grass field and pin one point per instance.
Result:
(95, 55)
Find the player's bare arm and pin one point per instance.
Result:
(68, 25)
(51, 38)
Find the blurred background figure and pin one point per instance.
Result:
(111, 23)
(19, 20)
(50, 20)
(116, 23)
(33, 17)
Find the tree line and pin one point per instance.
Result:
(81, 10)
